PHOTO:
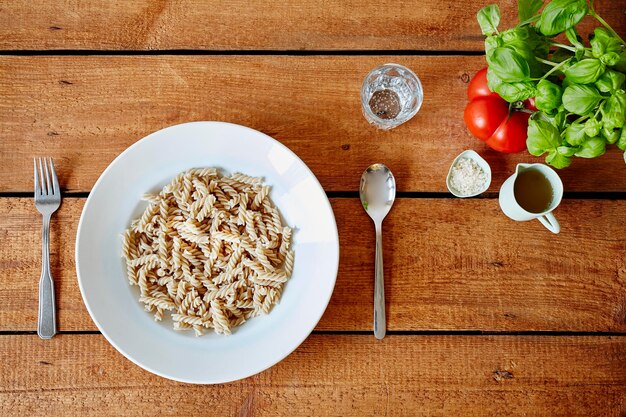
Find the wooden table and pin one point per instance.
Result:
(486, 316)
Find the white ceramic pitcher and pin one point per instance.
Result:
(513, 210)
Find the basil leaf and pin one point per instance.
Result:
(566, 150)
(614, 111)
(575, 134)
(558, 160)
(527, 8)
(610, 58)
(508, 65)
(528, 44)
(621, 142)
(557, 120)
(491, 43)
(513, 92)
(610, 135)
(493, 81)
(586, 71)
(573, 37)
(489, 18)
(592, 148)
(542, 137)
(621, 64)
(548, 96)
(537, 42)
(603, 42)
(580, 99)
(560, 15)
(592, 127)
(610, 81)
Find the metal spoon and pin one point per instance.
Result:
(378, 192)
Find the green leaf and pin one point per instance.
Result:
(537, 42)
(580, 99)
(558, 160)
(566, 150)
(592, 148)
(513, 92)
(621, 142)
(574, 38)
(508, 65)
(603, 42)
(548, 96)
(586, 71)
(560, 15)
(610, 81)
(542, 137)
(610, 135)
(621, 64)
(527, 8)
(557, 120)
(610, 58)
(489, 18)
(592, 127)
(575, 134)
(491, 43)
(529, 45)
(493, 81)
(614, 111)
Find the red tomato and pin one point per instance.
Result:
(529, 104)
(478, 86)
(484, 115)
(510, 136)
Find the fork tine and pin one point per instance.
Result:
(55, 179)
(42, 179)
(45, 168)
(37, 188)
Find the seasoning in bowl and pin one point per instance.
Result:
(469, 175)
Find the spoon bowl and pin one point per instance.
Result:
(378, 192)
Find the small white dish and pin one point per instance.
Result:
(115, 200)
(470, 154)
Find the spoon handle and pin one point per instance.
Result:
(379, 288)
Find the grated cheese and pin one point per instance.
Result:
(467, 177)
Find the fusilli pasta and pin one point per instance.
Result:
(211, 250)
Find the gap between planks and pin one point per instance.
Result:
(258, 52)
(574, 195)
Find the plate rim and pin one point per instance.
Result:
(87, 206)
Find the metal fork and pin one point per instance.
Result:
(47, 201)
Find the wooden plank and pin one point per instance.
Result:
(251, 24)
(84, 111)
(449, 265)
(338, 375)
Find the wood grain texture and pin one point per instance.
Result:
(256, 25)
(84, 111)
(449, 265)
(331, 375)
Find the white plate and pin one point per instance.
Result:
(115, 200)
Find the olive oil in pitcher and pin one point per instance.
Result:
(533, 191)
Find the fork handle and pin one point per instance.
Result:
(46, 324)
